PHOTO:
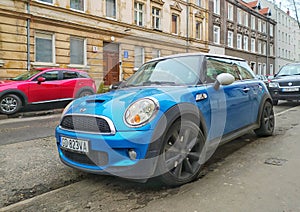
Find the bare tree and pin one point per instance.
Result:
(295, 4)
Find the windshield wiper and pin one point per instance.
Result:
(158, 83)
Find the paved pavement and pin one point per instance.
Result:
(261, 176)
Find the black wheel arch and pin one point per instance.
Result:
(86, 88)
(177, 112)
(18, 93)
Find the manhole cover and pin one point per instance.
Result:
(275, 161)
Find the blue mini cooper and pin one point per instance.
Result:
(166, 120)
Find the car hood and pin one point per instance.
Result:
(8, 82)
(114, 104)
(292, 78)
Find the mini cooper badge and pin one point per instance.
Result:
(290, 84)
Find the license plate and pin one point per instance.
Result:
(290, 89)
(76, 145)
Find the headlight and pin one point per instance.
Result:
(141, 111)
(273, 85)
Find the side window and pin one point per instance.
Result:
(50, 75)
(216, 66)
(245, 71)
(69, 75)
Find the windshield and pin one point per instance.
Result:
(25, 76)
(170, 71)
(292, 69)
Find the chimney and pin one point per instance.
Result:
(288, 12)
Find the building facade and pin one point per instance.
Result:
(110, 38)
(287, 35)
(243, 30)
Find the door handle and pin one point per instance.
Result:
(246, 90)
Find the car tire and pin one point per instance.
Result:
(267, 121)
(10, 104)
(84, 93)
(180, 159)
(275, 101)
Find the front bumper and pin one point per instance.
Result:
(108, 154)
(280, 94)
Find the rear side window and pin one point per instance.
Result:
(83, 75)
(70, 75)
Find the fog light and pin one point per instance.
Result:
(132, 154)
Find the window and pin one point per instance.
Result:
(259, 69)
(230, 39)
(271, 69)
(111, 8)
(271, 30)
(77, 4)
(199, 30)
(246, 19)
(279, 52)
(175, 24)
(69, 75)
(77, 51)
(216, 35)
(230, 12)
(50, 75)
(264, 48)
(264, 69)
(245, 43)
(155, 53)
(259, 47)
(138, 56)
(217, 7)
(239, 16)
(155, 18)
(271, 50)
(239, 41)
(253, 24)
(198, 3)
(259, 25)
(47, 1)
(138, 13)
(253, 45)
(264, 27)
(279, 35)
(44, 48)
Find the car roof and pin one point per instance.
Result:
(199, 54)
(57, 69)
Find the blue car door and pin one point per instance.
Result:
(230, 104)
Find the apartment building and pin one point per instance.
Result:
(110, 38)
(244, 30)
(287, 40)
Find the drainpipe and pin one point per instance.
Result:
(268, 44)
(187, 25)
(28, 35)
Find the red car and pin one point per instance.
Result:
(42, 86)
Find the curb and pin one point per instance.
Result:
(32, 114)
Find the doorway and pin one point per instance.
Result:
(111, 69)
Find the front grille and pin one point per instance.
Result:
(93, 158)
(85, 124)
(295, 83)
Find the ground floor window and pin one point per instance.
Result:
(44, 47)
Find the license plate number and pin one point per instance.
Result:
(290, 89)
(75, 144)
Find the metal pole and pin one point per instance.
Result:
(28, 36)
